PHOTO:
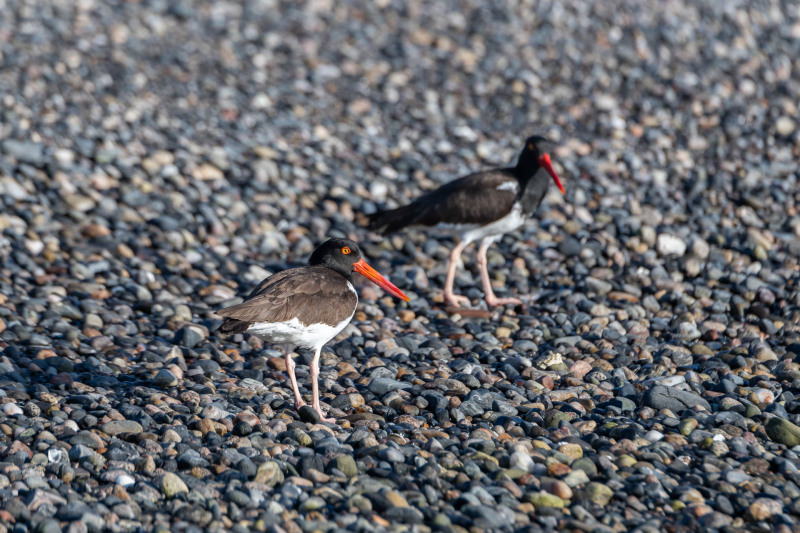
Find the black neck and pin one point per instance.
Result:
(326, 261)
(527, 166)
(345, 270)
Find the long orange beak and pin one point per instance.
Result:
(375, 277)
(544, 162)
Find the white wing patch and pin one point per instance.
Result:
(509, 186)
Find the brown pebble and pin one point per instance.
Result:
(96, 230)
(764, 508)
(558, 488)
(206, 425)
(406, 315)
(558, 469)
(278, 363)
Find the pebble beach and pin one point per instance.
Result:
(158, 159)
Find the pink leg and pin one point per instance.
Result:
(314, 370)
(483, 266)
(298, 400)
(451, 298)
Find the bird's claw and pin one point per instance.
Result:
(322, 417)
(456, 300)
(494, 302)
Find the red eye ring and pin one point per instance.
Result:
(346, 250)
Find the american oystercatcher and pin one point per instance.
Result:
(306, 306)
(481, 206)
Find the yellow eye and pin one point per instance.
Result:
(345, 250)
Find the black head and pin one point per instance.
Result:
(337, 254)
(536, 145)
(535, 156)
(344, 257)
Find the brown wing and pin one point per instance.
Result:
(311, 294)
(473, 199)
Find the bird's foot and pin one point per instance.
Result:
(322, 417)
(456, 300)
(494, 301)
(298, 404)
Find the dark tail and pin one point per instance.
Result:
(391, 220)
(231, 326)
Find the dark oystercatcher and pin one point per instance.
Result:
(481, 206)
(306, 306)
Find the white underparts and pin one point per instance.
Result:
(515, 219)
(313, 336)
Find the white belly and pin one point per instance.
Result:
(313, 336)
(473, 232)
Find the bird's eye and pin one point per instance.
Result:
(531, 146)
(345, 250)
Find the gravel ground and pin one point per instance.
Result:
(159, 158)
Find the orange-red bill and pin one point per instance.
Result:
(544, 162)
(375, 277)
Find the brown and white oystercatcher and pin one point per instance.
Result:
(306, 306)
(481, 206)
